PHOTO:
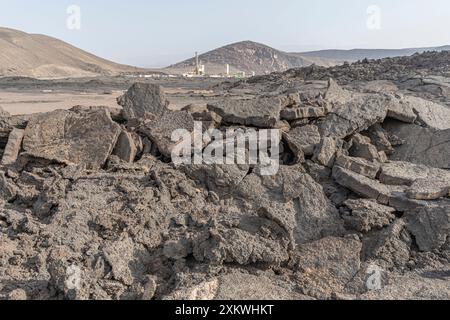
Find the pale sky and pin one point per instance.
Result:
(153, 33)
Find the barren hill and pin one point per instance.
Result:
(360, 54)
(40, 56)
(249, 57)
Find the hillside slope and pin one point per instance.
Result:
(40, 56)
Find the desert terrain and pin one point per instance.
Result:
(28, 95)
(94, 205)
(102, 196)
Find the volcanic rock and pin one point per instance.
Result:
(430, 225)
(125, 147)
(13, 147)
(72, 138)
(429, 189)
(160, 131)
(359, 165)
(327, 265)
(401, 109)
(294, 200)
(366, 215)
(356, 114)
(380, 138)
(263, 112)
(325, 153)
(7, 188)
(406, 173)
(362, 147)
(433, 115)
(143, 98)
(222, 179)
(303, 140)
(363, 185)
(389, 247)
(422, 145)
(291, 114)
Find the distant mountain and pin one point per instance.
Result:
(360, 54)
(40, 56)
(249, 57)
(246, 56)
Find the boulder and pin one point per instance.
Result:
(327, 265)
(294, 200)
(422, 145)
(379, 86)
(5, 129)
(18, 295)
(363, 185)
(355, 115)
(201, 113)
(425, 183)
(289, 100)
(177, 250)
(244, 240)
(417, 285)
(400, 109)
(115, 112)
(406, 173)
(125, 147)
(429, 189)
(431, 114)
(325, 153)
(264, 286)
(361, 166)
(430, 225)
(304, 112)
(71, 138)
(205, 291)
(262, 112)
(13, 147)
(221, 179)
(380, 138)
(389, 247)
(283, 126)
(362, 147)
(365, 215)
(239, 285)
(335, 94)
(160, 131)
(143, 98)
(8, 190)
(303, 140)
(402, 203)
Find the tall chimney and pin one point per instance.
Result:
(196, 61)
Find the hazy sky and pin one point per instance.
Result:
(156, 33)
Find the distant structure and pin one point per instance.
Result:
(196, 63)
(199, 70)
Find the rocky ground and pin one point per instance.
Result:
(93, 207)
